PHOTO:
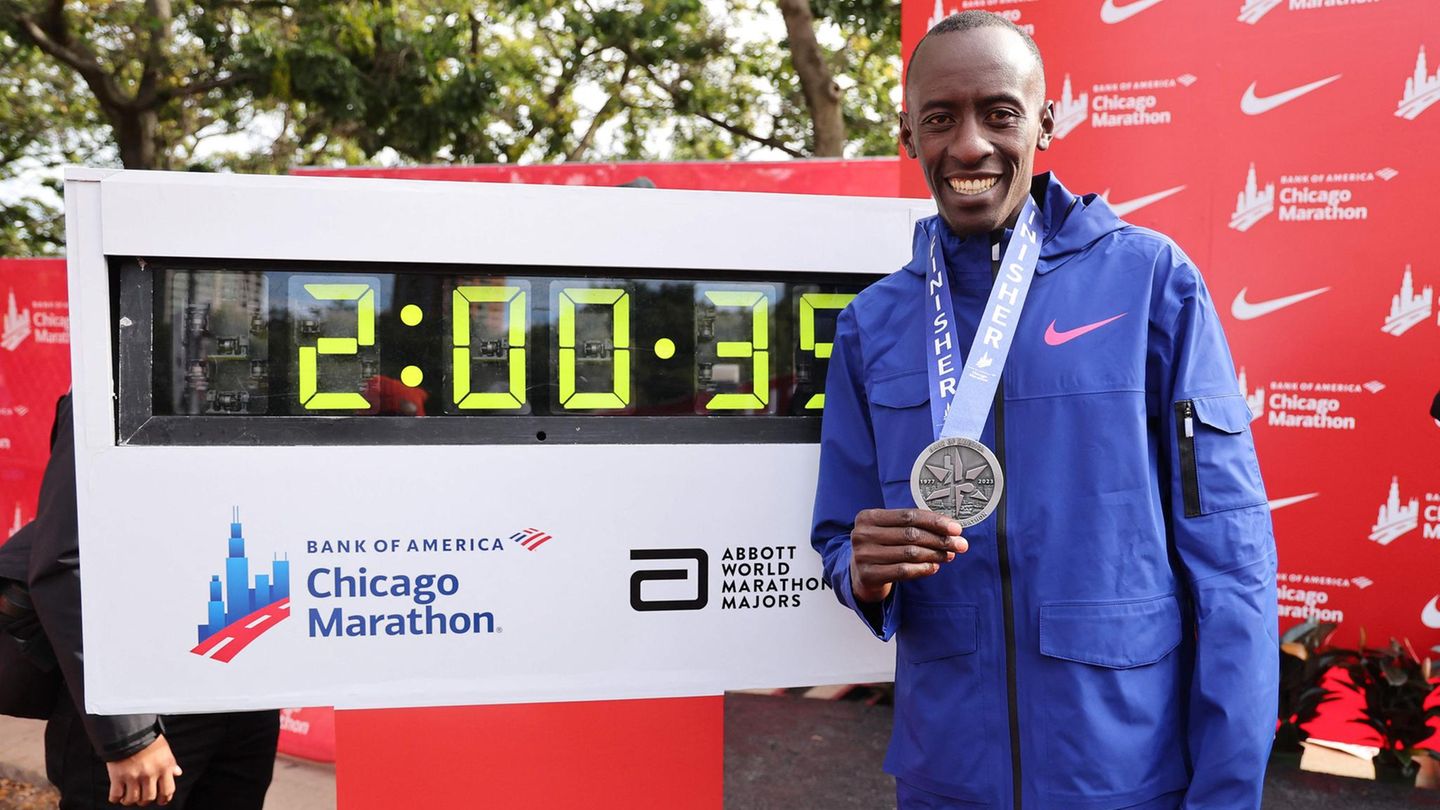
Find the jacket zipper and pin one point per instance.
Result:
(1189, 475)
(1006, 590)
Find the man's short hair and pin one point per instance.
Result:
(969, 21)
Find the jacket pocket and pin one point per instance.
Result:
(900, 413)
(1218, 469)
(1112, 701)
(944, 703)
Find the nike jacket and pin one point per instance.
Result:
(1110, 638)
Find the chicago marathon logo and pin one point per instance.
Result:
(1109, 105)
(1314, 197)
(1422, 89)
(240, 611)
(1307, 404)
(1252, 11)
(1396, 517)
(941, 11)
(17, 326)
(1409, 307)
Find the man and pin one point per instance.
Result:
(129, 760)
(1107, 637)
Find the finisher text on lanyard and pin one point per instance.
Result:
(957, 476)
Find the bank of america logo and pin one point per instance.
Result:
(1255, 399)
(1421, 90)
(531, 539)
(1408, 307)
(1362, 582)
(17, 326)
(1252, 204)
(1374, 386)
(1396, 517)
(1070, 110)
(239, 612)
(1253, 10)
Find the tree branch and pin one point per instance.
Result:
(196, 87)
(733, 129)
(54, 39)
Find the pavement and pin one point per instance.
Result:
(782, 752)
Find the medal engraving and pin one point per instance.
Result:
(959, 478)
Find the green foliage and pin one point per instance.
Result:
(305, 82)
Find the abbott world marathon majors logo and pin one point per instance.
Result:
(751, 578)
(1252, 11)
(1305, 404)
(1110, 105)
(1314, 197)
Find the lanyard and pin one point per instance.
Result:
(960, 399)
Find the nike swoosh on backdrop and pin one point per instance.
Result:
(1112, 13)
(1244, 310)
(1251, 104)
(1281, 503)
(1055, 338)
(1131, 206)
(1431, 614)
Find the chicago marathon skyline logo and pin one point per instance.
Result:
(1409, 307)
(1396, 518)
(17, 326)
(1109, 105)
(1421, 90)
(238, 611)
(1313, 197)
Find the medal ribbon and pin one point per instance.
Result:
(960, 400)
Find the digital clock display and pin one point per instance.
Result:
(249, 339)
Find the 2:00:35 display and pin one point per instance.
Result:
(279, 342)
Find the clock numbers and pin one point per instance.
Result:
(809, 303)
(511, 350)
(757, 349)
(310, 396)
(615, 351)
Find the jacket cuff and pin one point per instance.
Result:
(131, 744)
(881, 617)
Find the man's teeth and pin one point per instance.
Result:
(972, 186)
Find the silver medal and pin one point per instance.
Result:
(959, 478)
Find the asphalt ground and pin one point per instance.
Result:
(783, 752)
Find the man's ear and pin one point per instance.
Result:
(1047, 126)
(907, 136)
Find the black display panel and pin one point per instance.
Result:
(308, 353)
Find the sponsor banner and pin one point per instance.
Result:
(1296, 171)
(34, 372)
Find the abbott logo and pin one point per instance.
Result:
(640, 600)
(1421, 90)
(17, 326)
(1070, 111)
(1409, 307)
(240, 612)
(1252, 204)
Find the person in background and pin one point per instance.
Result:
(201, 761)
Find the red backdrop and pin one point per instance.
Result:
(1169, 105)
(34, 372)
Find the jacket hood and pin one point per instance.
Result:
(1072, 224)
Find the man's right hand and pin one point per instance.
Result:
(890, 545)
(144, 777)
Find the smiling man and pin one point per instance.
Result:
(1037, 474)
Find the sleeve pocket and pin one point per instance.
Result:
(1218, 468)
(900, 411)
(930, 632)
(1116, 635)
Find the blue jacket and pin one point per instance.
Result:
(1109, 640)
